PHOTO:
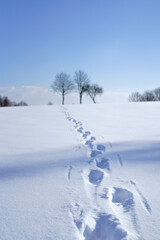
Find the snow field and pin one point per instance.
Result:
(86, 172)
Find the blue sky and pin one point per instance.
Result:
(115, 41)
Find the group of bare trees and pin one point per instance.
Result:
(6, 102)
(147, 96)
(64, 84)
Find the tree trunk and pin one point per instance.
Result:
(80, 98)
(94, 100)
(62, 98)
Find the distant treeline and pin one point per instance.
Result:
(6, 102)
(147, 96)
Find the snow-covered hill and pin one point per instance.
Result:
(78, 172)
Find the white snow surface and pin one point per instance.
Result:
(80, 172)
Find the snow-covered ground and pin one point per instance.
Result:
(79, 172)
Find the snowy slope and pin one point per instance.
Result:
(80, 172)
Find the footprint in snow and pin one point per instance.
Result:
(95, 153)
(78, 125)
(123, 197)
(80, 130)
(89, 143)
(86, 134)
(93, 139)
(107, 227)
(101, 147)
(103, 163)
(95, 177)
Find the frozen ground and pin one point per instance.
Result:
(80, 172)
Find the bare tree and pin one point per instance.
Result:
(1, 101)
(22, 103)
(156, 93)
(93, 91)
(62, 84)
(82, 81)
(135, 97)
(148, 96)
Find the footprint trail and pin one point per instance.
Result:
(113, 205)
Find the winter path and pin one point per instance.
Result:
(119, 199)
(110, 177)
(86, 172)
